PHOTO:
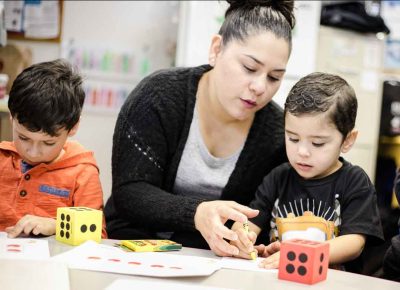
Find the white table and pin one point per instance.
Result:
(236, 279)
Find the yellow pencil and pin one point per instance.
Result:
(253, 254)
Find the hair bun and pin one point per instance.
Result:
(285, 7)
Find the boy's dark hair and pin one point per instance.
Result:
(47, 97)
(245, 18)
(322, 92)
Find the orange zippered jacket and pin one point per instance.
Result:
(71, 181)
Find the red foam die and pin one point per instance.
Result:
(303, 261)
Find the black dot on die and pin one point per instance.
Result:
(302, 270)
(303, 258)
(67, 226)
(291, 256)
(67, 235)
(68, 218)
(320, 270)
(62, 233)
(62, 216)
(83, 228)
(92, 228)
(321, 258)
(62, 225)
(290, 268)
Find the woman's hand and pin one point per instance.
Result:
(210, 218)
(30, 224)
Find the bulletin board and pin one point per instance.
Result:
(36, 20)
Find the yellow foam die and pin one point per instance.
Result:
(76, 225)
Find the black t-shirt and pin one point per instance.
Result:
(391, 261)
(347, 198)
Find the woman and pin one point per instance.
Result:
(191, 145)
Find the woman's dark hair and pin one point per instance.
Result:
(47, 97)
(323, 92)
(248, 17)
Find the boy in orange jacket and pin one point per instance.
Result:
(40, 169)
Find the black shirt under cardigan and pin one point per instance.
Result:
(149, 138)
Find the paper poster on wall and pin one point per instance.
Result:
(13, 15)
(36, 20)
(41, 19)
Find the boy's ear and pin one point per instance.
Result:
(349, 141)
(215, 49)
(74, 129)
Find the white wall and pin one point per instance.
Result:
(199, 20)
(116, 24)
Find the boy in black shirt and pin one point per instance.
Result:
(317, 195)
(391, 261)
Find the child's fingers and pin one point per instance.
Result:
(260, 249)
(272, 249)
(271, 262)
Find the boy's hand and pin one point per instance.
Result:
(266, 251)
(245, 241)
(271, 254)
(271, 262)
(31, 224)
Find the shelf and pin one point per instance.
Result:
(386, 140)
(111, 77)
(4, 105)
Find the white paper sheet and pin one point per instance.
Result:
(33, 275)
(242, 264)
(24, 249)
(153, 285)
(104, 258)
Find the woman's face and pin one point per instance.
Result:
(248, 73)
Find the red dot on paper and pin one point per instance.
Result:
(114, 260)
(134, 263)
(157, 266)
(94, 258)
